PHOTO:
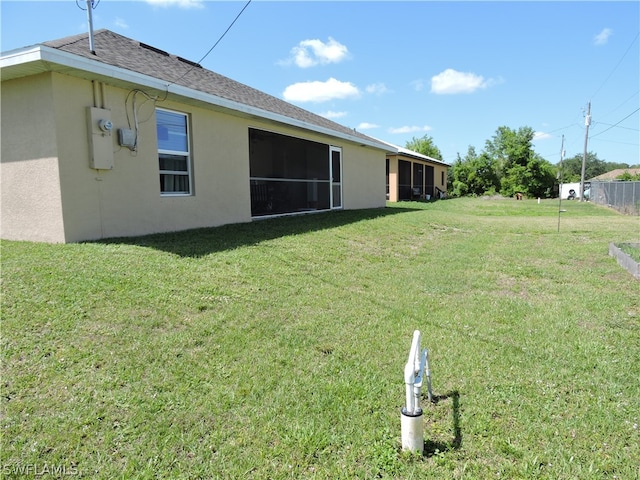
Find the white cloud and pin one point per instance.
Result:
(309, 53)
(377, 88)
(541, 136)
(120, 23)
(177, 3)
(603, 36)
(331, 114)
(410, 129)
(320, 91)
(451, 82)
(367, 126)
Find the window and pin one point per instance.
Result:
(173, 152)
(442, 178)
(292, 175)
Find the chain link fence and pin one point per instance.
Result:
(624, 196)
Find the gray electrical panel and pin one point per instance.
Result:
(126, 138)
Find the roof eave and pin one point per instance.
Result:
(41, 58)
(418, 156)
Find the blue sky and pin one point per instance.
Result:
(455, 71)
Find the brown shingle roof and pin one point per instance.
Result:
(613, 174)
(119, 51)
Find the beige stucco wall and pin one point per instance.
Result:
(393, 178)
(126, 200)
(363, 177)
(438, 170)
(30, 197)
(84, 204)
(439, 180)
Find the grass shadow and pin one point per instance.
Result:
(199, 242)
(432, 447)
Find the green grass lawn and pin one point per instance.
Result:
(631, 249)
(276, 349)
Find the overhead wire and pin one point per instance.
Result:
(610, 125)
(614, 125)
(623, 103)
(135, 122)
(617, 65)
(214, 45)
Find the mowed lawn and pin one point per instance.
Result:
(276, 349)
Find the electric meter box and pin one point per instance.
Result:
(100, 138)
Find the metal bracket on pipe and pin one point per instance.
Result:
(414, 372)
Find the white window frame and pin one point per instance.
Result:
(186, 154)
(335, 205)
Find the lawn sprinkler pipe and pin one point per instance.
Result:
(411, 423)
(409, 376)
(428, 371)
(412, 377)
(412, 428)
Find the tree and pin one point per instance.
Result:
(618, 165)
(474, 175)
(510, 147)
(460, 172)
(535, 179)
(626, 176)
(572, 167)
(424, 145)
(517, 166)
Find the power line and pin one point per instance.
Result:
(564, 128)
(615, 141)
(617, 65)
(609, 125)
(214, 45)
(225, 32)
(609, 113)
(615, 124)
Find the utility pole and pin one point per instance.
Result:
(560, 180)
(587, 122)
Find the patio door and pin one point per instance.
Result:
(417, 188)
(335, 154)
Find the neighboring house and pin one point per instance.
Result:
(129, 140)
(614, 174)
(411, 175)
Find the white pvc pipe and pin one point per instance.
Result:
(412, 433)
(411, 370)
(411, 421)
(409, 377)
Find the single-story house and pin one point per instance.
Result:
(614, 174)
(128, 140)
(411, 175)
